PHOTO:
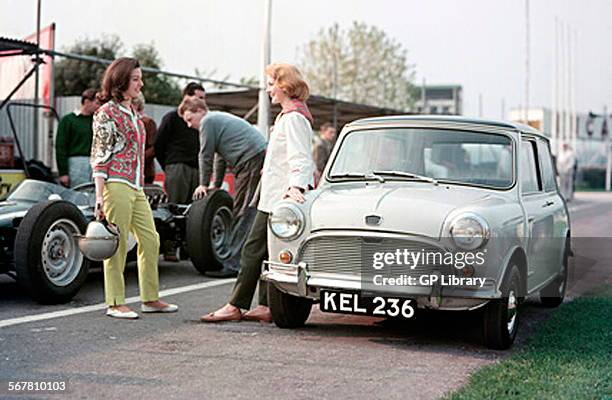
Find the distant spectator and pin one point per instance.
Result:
(565, 166)
(575, 175)
(177, 147)
(322, 148)
(73, 142)
(151, 128)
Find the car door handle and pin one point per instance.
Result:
(530, 219)
(548, 204)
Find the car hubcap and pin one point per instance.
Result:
(61, 260)
(221, 233)
(512, 304)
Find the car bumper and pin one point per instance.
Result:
(298, 280)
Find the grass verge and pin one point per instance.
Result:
(569, 357)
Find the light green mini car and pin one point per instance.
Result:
(421, 212)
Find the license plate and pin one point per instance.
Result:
(354, 303)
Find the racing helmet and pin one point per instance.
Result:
(100, 241)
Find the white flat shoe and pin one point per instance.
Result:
(170, 308)
(113, 312)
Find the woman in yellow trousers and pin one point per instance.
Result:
(117, 159)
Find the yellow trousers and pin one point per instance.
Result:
(129, 209)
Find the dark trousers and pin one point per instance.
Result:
(247, 179)
(181, 182)
(255, 251)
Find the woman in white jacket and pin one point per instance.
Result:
(288, 172)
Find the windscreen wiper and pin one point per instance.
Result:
(407, 175)
(361, 176)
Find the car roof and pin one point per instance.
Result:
(392, 119)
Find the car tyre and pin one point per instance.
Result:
(48, 262)
(501, 316)
(209, 231)
(554, 293)
(288, 311)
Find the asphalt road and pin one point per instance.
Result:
(334, 356)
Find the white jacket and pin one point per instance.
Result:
(288, 159)
(566, 161)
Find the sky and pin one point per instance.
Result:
(479, 44)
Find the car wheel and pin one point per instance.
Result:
(501, 316)
(554, 293)
(48, 262)
(288, 311)
(209, 231)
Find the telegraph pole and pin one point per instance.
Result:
(574, 125)
(554, 134)
(562, 89)
(263, 112)
(424, 98)
(36, 111)
(526, 111)
(568, 85)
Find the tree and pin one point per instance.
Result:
(361, 64)
(158, 88)
(72, 77)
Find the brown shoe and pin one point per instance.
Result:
(259, 313)
(223, 314)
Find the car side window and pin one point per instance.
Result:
(530, 180)
(548, 172)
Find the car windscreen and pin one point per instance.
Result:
(32, 190)
(454, 156)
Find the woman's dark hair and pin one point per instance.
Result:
(116, 79)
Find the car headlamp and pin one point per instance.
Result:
(469, 231)
(286, 221)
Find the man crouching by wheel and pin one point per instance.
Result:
(117, 160)
(237, 143)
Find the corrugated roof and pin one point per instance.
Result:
(240, 102)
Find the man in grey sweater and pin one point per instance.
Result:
(235, 142)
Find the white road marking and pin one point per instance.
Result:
(102, 306)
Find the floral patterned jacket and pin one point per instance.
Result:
(118, 146)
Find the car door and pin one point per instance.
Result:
(555, 207)
(536, 206)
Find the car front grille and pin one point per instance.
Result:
(353, 255)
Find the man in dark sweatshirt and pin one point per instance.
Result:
(176, 148)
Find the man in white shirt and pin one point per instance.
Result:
(565, 167)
